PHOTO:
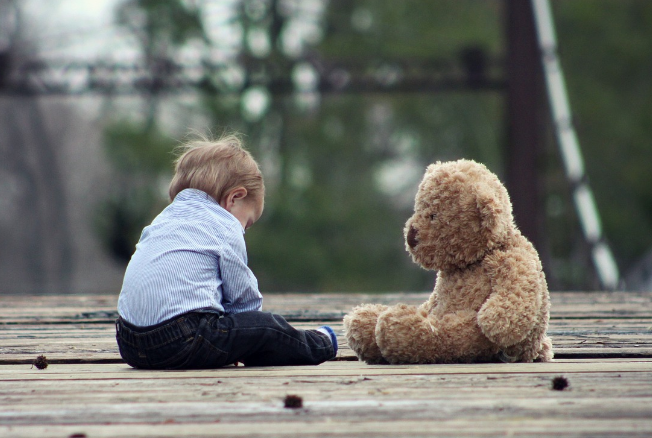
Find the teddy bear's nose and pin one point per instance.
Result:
(412, 237)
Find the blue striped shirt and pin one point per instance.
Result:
(191, 257)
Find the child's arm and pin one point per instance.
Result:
(239, 285)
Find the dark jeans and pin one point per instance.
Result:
(208, 340)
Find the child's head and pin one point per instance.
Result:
(217, 167)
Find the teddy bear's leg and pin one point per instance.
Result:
(360, 326)
(406, 334)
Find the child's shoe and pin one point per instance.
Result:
(329, 331)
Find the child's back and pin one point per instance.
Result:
(173, 270)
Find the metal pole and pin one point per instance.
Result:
(587, 211)
(524, 133)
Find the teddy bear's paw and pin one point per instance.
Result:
(360, 326)
(528, 351)
(545, 352)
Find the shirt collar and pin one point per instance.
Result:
(202, 195)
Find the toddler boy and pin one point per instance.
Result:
(188, 299)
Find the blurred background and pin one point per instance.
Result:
(344, 104)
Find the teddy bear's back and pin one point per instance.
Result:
(520, 249)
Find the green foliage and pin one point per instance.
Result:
(408, 29)
(342, 172)
(329, 224)
(326, 226)
(138, 151)
(161, 24)
(141, 162)
(133, 149)
(121, 217)
(337, 228)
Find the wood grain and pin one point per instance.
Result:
(604, 397)
(603, 343)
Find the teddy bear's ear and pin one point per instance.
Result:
(489, 208)
(432, 167)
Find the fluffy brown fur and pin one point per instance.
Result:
(490, 301)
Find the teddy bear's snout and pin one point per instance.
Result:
(412, 237)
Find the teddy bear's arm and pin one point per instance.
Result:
(511, 310)
(430, 304)
(432, 301)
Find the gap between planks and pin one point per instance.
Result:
(487, 427)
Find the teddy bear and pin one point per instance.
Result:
(490, 302)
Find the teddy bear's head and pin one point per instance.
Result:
(461, 212)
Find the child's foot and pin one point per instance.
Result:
(329, 331)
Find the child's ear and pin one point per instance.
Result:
(231, 197)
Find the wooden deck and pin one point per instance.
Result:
(603, 346)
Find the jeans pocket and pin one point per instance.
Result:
(204, 355)
(173, 354)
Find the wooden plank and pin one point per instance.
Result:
(78, 343)
(75, 340)
(370, 410)
(26, 398)
(305, 307)
(331, 368)
(485, 427)
(605, 398)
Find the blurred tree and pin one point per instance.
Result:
(342, 168)
(350, 163)
(138, 151)
(141, 161)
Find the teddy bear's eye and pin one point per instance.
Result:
(433, 217)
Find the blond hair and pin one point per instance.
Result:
(216, 167)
